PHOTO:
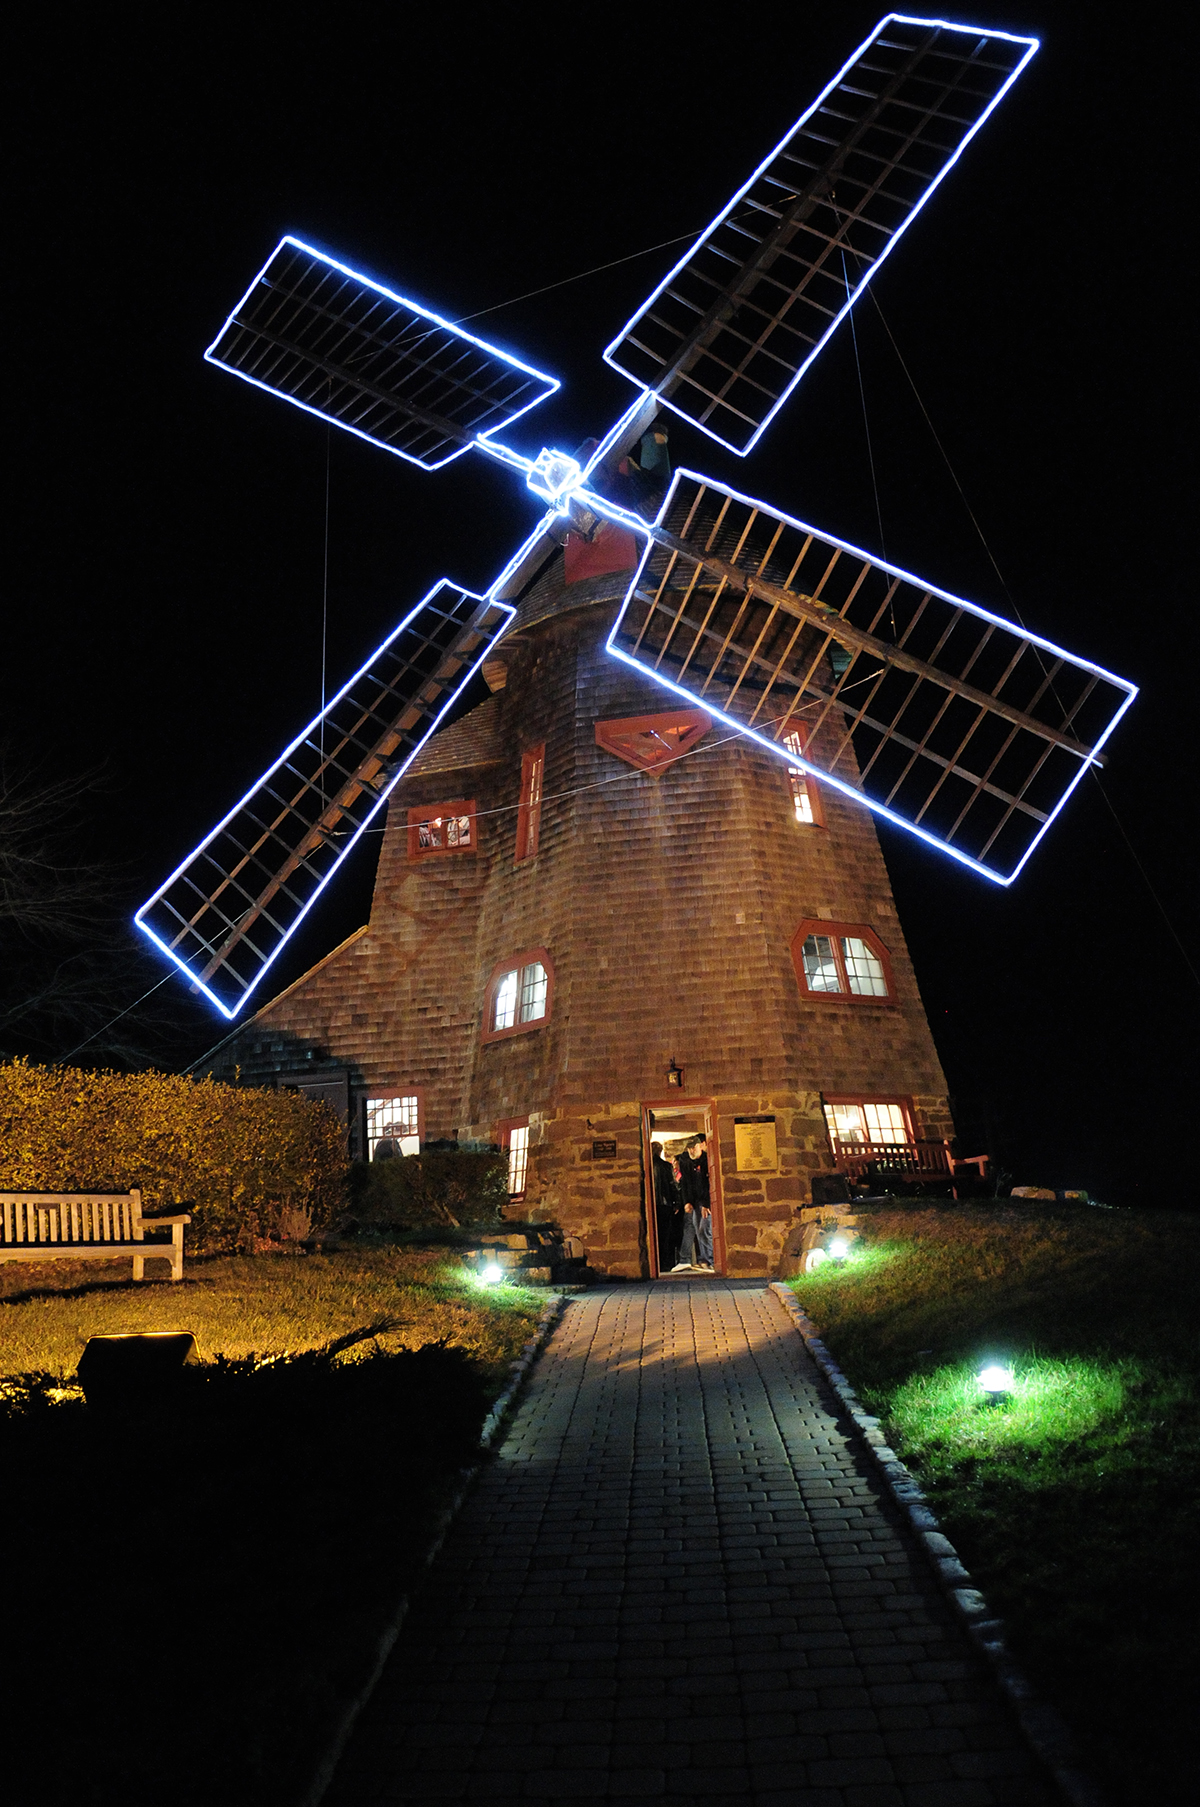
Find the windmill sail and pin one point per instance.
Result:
(726, 337)
(225, 914)
(936, 713)
(341, 346)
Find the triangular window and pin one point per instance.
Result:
(653, 742)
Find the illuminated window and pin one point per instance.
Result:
(841, 959)
(534, 984)
(529, 813)
(805, 799)
(441, 828)
(518, 994)
(393, 1126)
(869, 1121)
(514, 1139)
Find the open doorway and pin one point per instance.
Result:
(682, 1169)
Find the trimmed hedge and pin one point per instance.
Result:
(237, 1157)
(445, 1185)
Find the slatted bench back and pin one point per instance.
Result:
(40, 1218)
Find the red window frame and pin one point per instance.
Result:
(504, 1131)
(818, 925)
(432, 812)
(529, 810)
(620, 736)
(798, 780)
(516, 963)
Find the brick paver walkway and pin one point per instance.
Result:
(678, 1582)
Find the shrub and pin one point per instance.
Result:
(440, 1186)
(237, 1157)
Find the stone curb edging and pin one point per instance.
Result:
(492, 1424)
(1042, 1724)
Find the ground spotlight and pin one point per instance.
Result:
(996, 1380)
(839, 1248)
(491, 1273)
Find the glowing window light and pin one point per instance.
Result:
(392, 1125)
(864, 969)
(504, 1008)
(534, 986)
(995, 1380)
(820, 967)
(518, 1160)
(801, 795)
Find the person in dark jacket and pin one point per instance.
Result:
(697, 1246)
(668, 1208)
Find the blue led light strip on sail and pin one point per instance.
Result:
(227, 911)
(343, 347)
(939, 715)
(729, 332)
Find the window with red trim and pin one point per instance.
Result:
(653, 742)
(806, 797)
(529, 810)
(842, 960)
(857, 1120)
(519, 995)
(513, 1137)
(435, 828)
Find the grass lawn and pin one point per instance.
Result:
(241, 1305)
(1074, 1502)
(194, 1592)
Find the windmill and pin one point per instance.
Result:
(951, 722)
(809, 664)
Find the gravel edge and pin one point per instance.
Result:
(492, 1425)
(1042, 1724)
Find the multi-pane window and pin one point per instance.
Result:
(529, 811)
(839, 959)
(444, 828)
(868, 1120)
(518, 995)
(393, 1126)
(804, 792)
(518, 1159)
(534, 984)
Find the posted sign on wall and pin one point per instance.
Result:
(754, 1145)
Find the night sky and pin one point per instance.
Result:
(164, 604)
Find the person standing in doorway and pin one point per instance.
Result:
(668, 1207)
(697, 1201)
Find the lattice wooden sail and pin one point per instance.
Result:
(339, 345)
(728, 334)
(935, 712)
(224, 915)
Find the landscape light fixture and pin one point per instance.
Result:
(960, 727)
(492, 1273)
(839, 1248)
(996, 1380)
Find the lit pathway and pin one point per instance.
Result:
(678, 1582)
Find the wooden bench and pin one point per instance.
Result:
(86, 1226)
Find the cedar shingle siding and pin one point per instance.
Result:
(635, 891)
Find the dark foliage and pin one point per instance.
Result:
(442, 1186)
(217, 1568)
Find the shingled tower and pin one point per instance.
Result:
(595, 919)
